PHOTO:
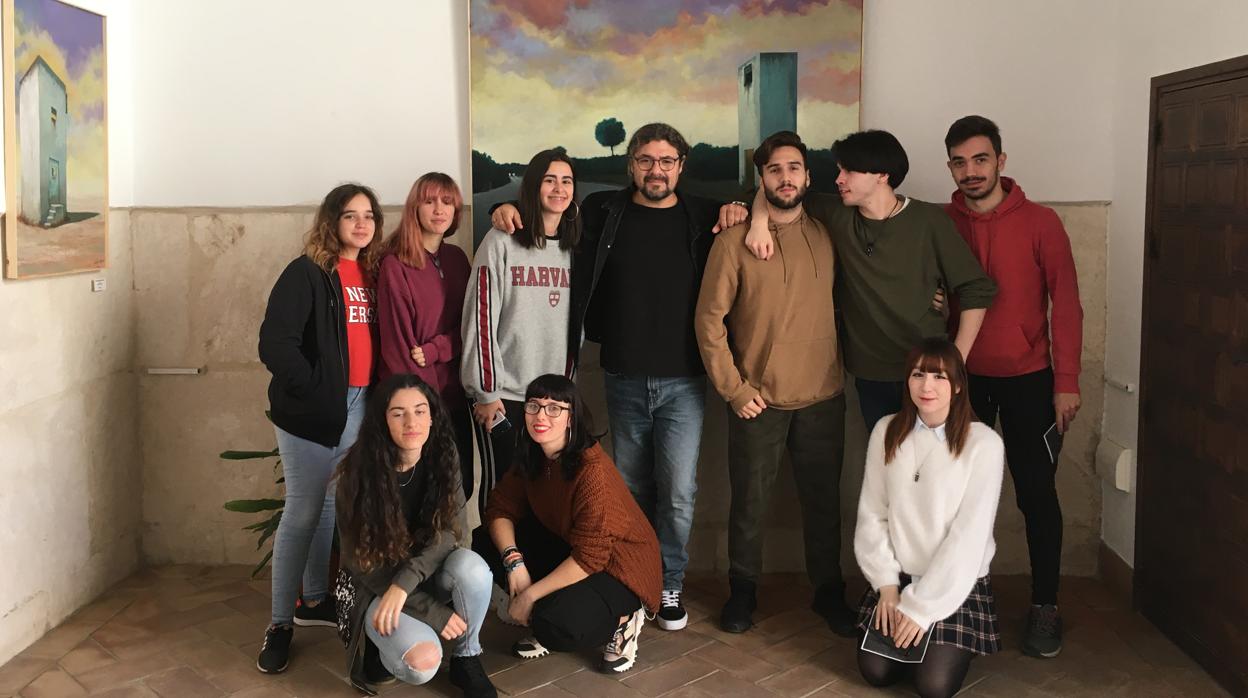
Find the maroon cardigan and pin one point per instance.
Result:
(422, 308)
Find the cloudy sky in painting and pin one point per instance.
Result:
(544, 72)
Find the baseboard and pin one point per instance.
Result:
(1115, 572)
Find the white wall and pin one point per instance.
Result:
(1039, 69)
(1152, 41)
(68, 410)
(274, 103)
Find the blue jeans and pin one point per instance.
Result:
(463, 581)
(306, 533)
(656, 434)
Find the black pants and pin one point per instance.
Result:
(878, 399)
(581, 616)
(498, 449)
(815, 438)
(1025, 404)
(461, 422)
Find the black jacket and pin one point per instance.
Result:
(602, 212)
(303, 343)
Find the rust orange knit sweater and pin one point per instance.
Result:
(595, 513)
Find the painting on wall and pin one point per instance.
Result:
(56, 139)
(583, 74)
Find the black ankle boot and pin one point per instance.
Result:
(830, 603)
(736, 618)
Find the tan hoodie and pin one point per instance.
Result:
(767, 327)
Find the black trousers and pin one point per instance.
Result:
(461, 422)
(878, 399)
(815, 439)
(582, 616)
(498, 449)
(1025, 405)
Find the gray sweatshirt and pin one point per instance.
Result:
(515, 317)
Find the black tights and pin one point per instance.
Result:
(942, 672)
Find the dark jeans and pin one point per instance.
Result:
(1025, 404)
(815, 438)
(580, 616)
(878, 399)
(498, 449)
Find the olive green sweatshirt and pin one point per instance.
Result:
(889, 271)
(768, 328)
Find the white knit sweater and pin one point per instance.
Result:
(937, 529)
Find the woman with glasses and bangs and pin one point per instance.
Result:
(924, 535)
(516, 311)
(575, 554)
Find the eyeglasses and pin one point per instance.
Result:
(646, 163)
(551, 409)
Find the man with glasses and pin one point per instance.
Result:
(635, 281)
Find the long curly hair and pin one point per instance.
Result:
(321, 244)
(370, 510)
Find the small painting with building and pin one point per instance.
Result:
(56, 143)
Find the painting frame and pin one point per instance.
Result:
(94, 230)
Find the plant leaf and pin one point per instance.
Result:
(247, 455)
(268, 556)
(254, 506)
(270, 530)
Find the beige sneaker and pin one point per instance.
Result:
(621, 652)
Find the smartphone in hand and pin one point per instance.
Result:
(500, 423)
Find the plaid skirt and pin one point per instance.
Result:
(973, 627)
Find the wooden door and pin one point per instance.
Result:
(1191, 574)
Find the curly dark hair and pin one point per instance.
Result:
(369, 508)
(529, 458)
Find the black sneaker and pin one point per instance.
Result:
(621, 652)
(830, 603)
(375, 672)
(469, 676)
(672, 614)
(1043, 636)
(275, 654)
(529, 648)
(323, 614)
(736, 616)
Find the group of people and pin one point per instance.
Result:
(390, 356)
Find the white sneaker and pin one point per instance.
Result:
(621, 653)
(500, 601)
(529, 648)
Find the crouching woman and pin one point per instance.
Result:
(576, 556)
(400, 510)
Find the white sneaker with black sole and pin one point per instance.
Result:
(672, 615)
(500, 601)
(621, 652)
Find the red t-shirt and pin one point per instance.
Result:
(359, 299)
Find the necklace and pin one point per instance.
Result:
(411, 473)
(860, 226)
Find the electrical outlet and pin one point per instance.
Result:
(98, 285)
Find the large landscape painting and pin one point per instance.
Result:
(583, 74)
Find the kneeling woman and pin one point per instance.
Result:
(571, 546)
(924, 535)
(400, 509)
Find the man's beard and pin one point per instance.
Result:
(774, 199)
(663, 193)
(991, 182)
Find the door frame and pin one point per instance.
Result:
(1161, 85)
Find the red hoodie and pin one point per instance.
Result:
(1024, 248)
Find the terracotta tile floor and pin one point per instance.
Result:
(195, 631)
